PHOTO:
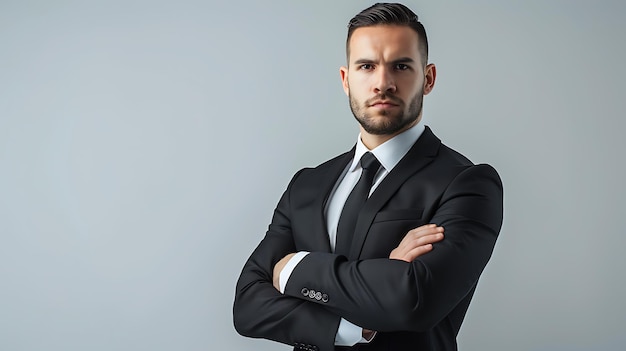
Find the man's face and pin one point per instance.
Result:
(385, 79)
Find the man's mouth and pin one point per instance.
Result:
(383, 104)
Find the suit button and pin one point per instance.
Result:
(318, 296)
(312, 294)
(324, 298)
(305, 291)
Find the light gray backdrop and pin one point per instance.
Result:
(144, 145)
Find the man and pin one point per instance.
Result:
(355, 257)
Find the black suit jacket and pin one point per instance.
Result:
(414, 306)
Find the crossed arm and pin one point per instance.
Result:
(415, 243)
(378, 294)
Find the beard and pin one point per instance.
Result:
(387, 122)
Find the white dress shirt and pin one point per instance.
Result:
(388, 154)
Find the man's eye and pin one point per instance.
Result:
(401, 67)
(366, 66)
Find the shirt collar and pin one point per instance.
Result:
(390, 152)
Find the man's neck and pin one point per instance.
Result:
(372, 141)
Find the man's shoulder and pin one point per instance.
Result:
(312, 180)
(456, 166)
(449, 155)
(337, 162)
(449, 163)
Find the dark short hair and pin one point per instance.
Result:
(389, 14)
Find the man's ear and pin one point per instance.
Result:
(430, 74)
(343, 71)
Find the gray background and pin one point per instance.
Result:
(144, 145)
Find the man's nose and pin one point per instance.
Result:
(385, 82)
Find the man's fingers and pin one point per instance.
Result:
(416, 252)
(412, 249)
(425, 230)
(427, 239)
(424, 227)
(417, 242)
(422, 236)
(418, 232)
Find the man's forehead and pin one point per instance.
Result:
(389, 40)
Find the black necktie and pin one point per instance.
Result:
(354, 203)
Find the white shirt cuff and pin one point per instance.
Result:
(289, 267)
(349, 334)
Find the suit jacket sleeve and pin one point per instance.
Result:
(392, 295)
(263, 312)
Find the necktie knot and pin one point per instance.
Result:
(369, 162)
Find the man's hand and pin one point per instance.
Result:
(279, 268)
(417, 242)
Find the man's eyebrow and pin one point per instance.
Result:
(396, 61)
(404, 60)
(362, 61)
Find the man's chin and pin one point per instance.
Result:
(385, 125)
(381, 128)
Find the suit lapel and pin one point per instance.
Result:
(421, 153)
(329, 173)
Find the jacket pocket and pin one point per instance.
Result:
(399, 215)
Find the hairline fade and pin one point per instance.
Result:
(390, 14)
